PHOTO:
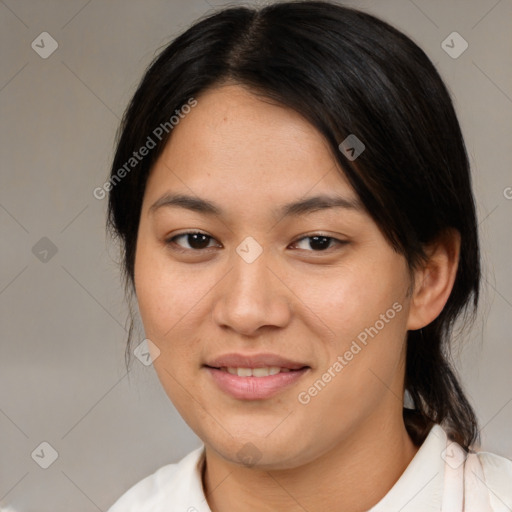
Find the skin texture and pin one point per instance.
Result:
(348, 445)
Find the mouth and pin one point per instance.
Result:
(254, 377)
(263, 371)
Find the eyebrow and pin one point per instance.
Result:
(300, 207)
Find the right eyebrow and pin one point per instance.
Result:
(195, 204)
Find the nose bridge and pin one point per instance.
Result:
(252, 296)
(251, 277)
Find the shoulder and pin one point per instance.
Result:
(497, 473)
(493, 474)
(167, 486)
(145, 494)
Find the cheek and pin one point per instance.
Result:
(363, 371)
(351, 299)
(166, 297)
(165, 292)
(173, 305)
(366, 307)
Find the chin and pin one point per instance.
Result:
(254, 450)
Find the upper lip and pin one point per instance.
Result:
(253, 361)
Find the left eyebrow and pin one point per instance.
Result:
(296, 208)
(316, 203)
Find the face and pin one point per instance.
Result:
(276, 325)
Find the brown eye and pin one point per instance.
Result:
(318, 243)
(196, 241)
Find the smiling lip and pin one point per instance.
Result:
(254, 388)
(254, 361)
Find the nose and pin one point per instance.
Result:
(252, 297)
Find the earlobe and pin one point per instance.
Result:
(433, 282)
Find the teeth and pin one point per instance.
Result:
(256, 372)
(244, 372)
(260, 372)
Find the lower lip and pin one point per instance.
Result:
(254, 388)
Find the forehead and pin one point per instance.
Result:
(234, 144)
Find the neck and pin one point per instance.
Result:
(358, 472)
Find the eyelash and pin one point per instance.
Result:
(171, 241)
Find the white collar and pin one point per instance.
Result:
(431, 482)
(421, 485)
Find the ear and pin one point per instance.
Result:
(433, 282)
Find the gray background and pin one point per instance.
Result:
(62, 374)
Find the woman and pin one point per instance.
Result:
(293, 198)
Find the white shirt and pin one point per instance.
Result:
(440, 478)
